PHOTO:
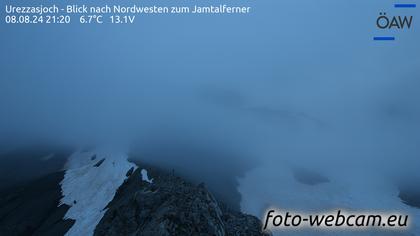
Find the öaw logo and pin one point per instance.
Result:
(394, 22)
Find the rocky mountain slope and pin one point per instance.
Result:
(142, 201)
(33, 208)
(168, 205)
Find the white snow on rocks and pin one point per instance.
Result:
(88, 189)
(145, 177)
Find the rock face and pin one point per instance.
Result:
(410, 196)
(171, 206)
(31, 209)
(149, 202)
(308, 177)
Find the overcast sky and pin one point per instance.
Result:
(291, 79)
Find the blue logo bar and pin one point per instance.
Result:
(384, 38)
(403, 5)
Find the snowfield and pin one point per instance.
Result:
(273, 186)
(88, 189)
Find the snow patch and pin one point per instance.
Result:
(145, 177)
(88, 189)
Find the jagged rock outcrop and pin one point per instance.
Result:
(171, 206)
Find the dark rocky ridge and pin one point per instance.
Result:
(197, 164)
(32, 209)
(171, 206)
